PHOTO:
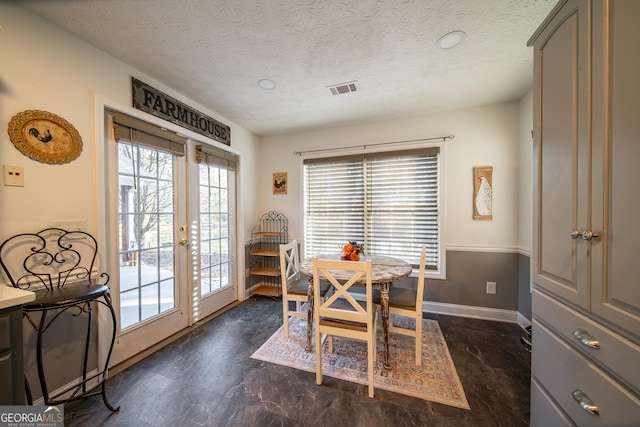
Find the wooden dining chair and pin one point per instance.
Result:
(294, 285)
(341, 314)
(408, 303)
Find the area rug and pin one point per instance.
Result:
(436, 380)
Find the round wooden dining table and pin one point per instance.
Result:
(385, 270)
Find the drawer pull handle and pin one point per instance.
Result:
(585, 402)
(586, 338)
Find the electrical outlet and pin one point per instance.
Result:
(491, 287)
(69, 224)
(13, 176)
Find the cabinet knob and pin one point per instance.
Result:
(586, 338)
(588, 235)
(585, 402)
(574, 234)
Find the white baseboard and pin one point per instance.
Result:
(523, 321)
(486, 313)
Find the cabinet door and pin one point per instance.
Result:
(616, 173)
(561, 154)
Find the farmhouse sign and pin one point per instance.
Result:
(152, 101)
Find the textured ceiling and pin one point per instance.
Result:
(215, 51)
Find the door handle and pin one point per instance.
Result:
(588, 235)
(574, 234)
(183, 242)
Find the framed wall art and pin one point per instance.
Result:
(483, 192)
(45, 137)
(279, 183)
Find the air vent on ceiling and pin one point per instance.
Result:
(341, 88)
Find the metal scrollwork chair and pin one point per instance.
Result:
(58, 266)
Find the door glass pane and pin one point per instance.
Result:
(146, 230)
(214, 228)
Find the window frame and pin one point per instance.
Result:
(440, 273)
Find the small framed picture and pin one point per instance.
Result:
(280, 183)
(483, 192)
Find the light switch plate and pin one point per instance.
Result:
(491, 287)
(13, 176)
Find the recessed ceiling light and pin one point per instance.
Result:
(451, 39)
(266, 84)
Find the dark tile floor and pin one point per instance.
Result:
(207, 378)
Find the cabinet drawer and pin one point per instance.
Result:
(544, 412)
(617, 353)
(561, 370)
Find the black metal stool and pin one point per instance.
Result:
(57, 265)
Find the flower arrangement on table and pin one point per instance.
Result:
(351, 251)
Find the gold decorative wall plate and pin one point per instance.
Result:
(45, 137)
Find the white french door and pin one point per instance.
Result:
(170, 215)
(214, 264)
(147, 215)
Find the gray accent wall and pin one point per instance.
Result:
(467, 275)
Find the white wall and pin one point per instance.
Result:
(45, 68)
(485, 136)
(526, 164)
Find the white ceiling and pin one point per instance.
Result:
(215, 51)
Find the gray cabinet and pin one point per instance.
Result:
(12, 391)
(586, 301)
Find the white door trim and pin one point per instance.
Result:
(102, 104)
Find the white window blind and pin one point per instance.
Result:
(388, 201)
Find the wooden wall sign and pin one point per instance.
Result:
(483, 192)
(153, 101)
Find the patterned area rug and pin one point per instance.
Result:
(436, 380)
